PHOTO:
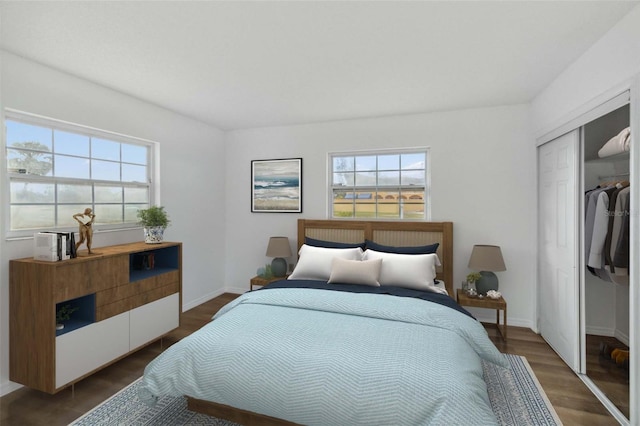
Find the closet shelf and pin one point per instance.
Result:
(624, 156)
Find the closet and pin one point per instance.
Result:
(583, 250)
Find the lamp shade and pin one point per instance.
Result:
(278, 247)
(486, 258)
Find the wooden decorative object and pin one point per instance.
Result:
(85, 222)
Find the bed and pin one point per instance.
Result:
(341, 350)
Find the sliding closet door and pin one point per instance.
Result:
(558, 279)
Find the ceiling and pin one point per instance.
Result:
(243, 64)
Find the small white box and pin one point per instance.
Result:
(45, 247)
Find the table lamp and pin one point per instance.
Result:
(487, 260)
(279, 248)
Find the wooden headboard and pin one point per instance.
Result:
(401, 234)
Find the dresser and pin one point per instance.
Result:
(121, 298)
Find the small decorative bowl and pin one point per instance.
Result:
(493, 294)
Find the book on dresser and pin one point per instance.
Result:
(117, 305)
(53, 246)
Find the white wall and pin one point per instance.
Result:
(192, 158)
(482, 175)
(611, 61)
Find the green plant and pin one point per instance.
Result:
(268, 274)
(153, 216)
(63, 313)
(473, 277)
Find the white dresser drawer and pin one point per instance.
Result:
(85, 349)
(154, 319)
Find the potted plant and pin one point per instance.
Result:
(154, 221)
(472, 277)
(63, 313)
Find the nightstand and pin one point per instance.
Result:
(260, 281)
(488, 303)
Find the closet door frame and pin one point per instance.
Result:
(634, 253)
(611, 99)
(582, 285)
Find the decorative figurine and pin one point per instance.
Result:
(86, 230)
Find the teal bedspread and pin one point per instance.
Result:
(319, 357)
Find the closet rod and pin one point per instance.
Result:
(613, 176)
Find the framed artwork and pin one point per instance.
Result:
(276, 186)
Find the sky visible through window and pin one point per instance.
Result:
(55, 173)
(389, 185)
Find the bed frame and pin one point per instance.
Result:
(404, 234)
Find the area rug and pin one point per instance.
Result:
(515, 394)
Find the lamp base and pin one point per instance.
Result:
(278, 267)
(488, 281)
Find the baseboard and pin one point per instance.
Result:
(622, 337)
(600, 331)
(489, 318)
(8, 387)
(608, 332)
(236, 290)
(199, 301)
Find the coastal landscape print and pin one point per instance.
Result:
(276, 186)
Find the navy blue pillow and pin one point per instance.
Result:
(331, 244)
(432, 248)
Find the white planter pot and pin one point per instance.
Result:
(153, 234)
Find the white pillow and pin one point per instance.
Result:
(365, 272)
(314, 263)
(416, 271)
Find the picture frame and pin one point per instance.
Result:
(276, 186)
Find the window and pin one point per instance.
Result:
(57, 169)
(379, 184)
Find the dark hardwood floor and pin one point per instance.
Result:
(573, 402)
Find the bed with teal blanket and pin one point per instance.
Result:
(317, 357)
(363, 332)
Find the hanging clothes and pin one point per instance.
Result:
(606, 230)
(591, 201)
(620, 256)
(615, 221)
(600, 226)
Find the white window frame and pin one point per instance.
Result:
(38, 120)
(386, 151)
